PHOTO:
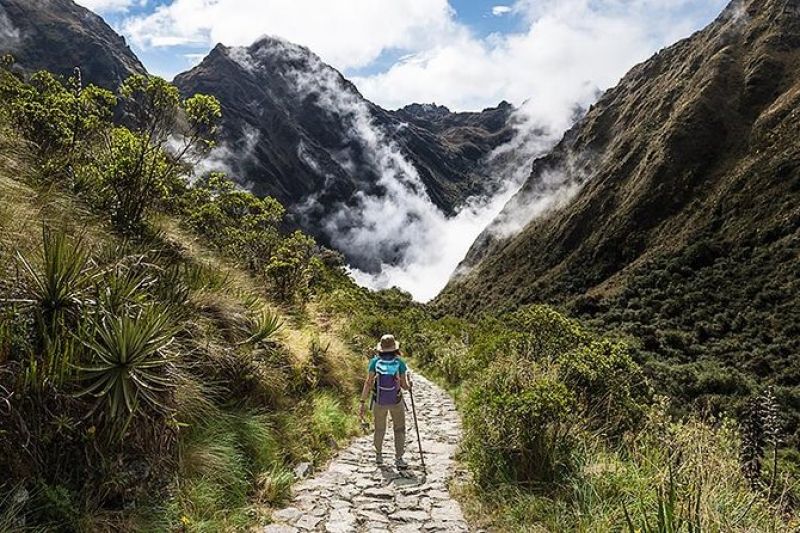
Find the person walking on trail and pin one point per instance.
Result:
(386, 376)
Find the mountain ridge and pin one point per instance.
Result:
(322, 145)
(682, 228)
(59, 35)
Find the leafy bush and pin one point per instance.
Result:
(607, 381)
(62, 122)
(289, 269)
(546, 333)
(517, 422)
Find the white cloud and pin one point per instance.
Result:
(498, 11)
(345, 33)
(110, 6)
(9, 35)
(194, 59)
(571, 48)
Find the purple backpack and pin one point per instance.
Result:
(387, 384)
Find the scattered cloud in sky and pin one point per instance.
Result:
(347, 34)
(110, 6)
(569, 50)
(500, 10)
(194, 59)
(401, 51)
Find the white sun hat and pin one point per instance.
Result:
(388, 344)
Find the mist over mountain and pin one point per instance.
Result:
(380, 186)
(401, 193)
(58, 35)
(671, 209)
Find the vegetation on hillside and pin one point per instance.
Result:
(684, 232)
(708, 339)
(161, 367)
(565, 432)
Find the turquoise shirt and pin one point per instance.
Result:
(374, 361)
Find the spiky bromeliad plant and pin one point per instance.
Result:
(129, 362)
(63, 276)
(262, 327)
(57, 287)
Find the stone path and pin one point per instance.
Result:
(354, 495)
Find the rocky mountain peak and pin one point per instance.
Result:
(59, 35)
(426, 111)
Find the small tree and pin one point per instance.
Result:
(61, 121)
(237, 221)
(289, 269)
(139, 165)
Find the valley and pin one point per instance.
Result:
(194, 274)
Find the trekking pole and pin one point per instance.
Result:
(416, 426)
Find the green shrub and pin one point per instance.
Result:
(517, 419)
(546, 333)
(62, 122)
(609, 385)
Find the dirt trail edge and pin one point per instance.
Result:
(354, 495)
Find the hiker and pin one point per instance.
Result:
(387, 374)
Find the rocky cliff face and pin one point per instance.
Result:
(296, 129)
(58, 35)
(673, 208)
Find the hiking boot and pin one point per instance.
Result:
(379, 458)
(400, 463)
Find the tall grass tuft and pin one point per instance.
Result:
(330, 423)
(274, 487)
(12, 508)
(226, 459)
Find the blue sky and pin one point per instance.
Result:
(168, 61)
(466, 54)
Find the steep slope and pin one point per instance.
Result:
(296, 129)
(672, 209)
(58, 35)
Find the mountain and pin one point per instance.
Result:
(58, 35)
(296, 129)
(672, 209)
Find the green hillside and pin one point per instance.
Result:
(684, 234)
(162, 363)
